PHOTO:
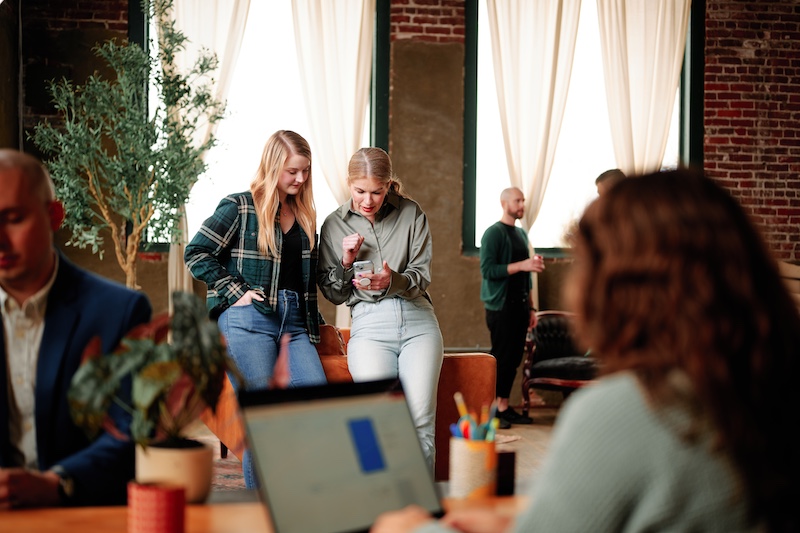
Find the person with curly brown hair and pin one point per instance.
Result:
(687, 429)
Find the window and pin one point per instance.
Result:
(584, 147)
(265, 96)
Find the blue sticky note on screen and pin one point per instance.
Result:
(366, 445)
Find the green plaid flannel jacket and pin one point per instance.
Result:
(224, 255)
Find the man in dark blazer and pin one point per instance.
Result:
(50, 311)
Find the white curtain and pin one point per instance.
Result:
(216, 25)
(334, 52)
(642, 45)
(533, 43)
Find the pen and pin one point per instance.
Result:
(484, 414)
(462, 407)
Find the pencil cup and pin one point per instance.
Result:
(473, 468)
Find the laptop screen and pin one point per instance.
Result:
(331, 458)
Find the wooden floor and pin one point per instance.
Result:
(528, 442)
(531, 445)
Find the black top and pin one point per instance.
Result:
(517, 284)
(291, 277)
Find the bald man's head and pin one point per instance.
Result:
(513, 202)
(510, 192)
(29, 217)
(36, 176)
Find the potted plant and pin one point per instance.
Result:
(173, 368)
(124, 159)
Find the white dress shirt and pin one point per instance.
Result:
(23, 327)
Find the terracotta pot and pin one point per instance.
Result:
(189, 467)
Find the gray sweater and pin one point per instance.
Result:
(614, 465)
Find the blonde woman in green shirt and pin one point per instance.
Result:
(394, 330)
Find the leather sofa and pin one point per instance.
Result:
(471, 373)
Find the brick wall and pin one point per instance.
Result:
(438, 21)
(752, 112)
(57, 42)
(78, 14)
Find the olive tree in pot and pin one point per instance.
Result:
(164, 374)
(122, 161)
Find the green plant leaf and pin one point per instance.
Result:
(113, 159)
(153, 381)
(171, 383)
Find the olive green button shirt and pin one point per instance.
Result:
(400, 236)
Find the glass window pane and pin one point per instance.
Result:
(265, 96)
(584, 148)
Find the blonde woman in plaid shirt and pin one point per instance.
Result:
(257, 255)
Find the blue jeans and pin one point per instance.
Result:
(253, 342)
(400, 338)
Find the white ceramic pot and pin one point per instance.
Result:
(188, 467)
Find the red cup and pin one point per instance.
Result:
(156, 508)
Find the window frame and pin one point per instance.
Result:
(379, 93)
(690, 143)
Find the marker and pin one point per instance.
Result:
(462, 407)
(465, 428)
(493, 425)
(484, 414)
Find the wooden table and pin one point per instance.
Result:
(218, 518)
(215, 518)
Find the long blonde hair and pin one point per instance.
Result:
(277, 150)
(375, 163)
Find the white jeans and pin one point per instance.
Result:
(400, 338)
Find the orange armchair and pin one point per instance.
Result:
(473, 374)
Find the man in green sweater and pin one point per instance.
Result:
(506, 292)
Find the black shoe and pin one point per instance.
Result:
(504, 424)
(513, 417)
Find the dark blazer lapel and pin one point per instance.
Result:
(61, 319)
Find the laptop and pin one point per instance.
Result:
(331, 458)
